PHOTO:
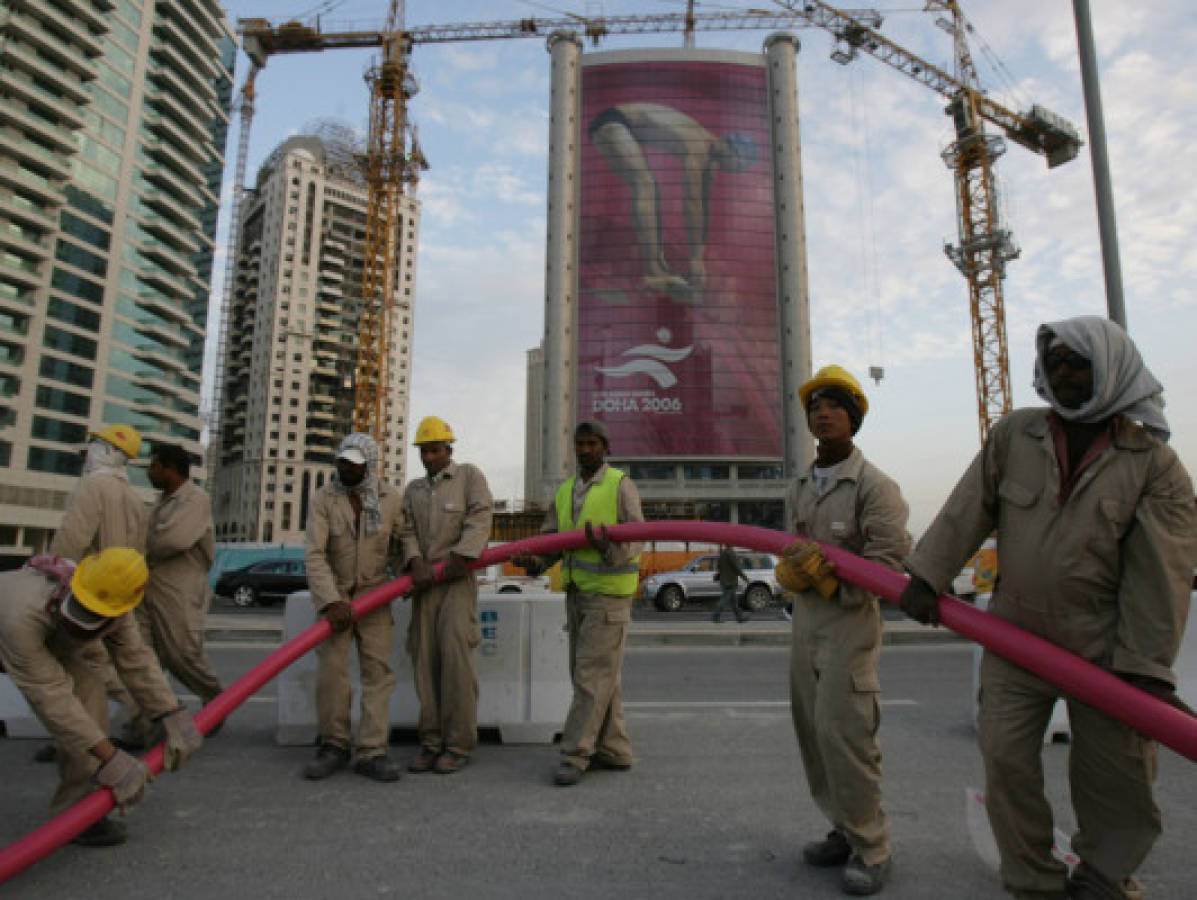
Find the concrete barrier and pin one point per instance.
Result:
(20, 722)
(522, 664)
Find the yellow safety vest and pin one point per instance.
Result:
(584, 567)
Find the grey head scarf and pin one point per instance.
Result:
(1121, 381)
(367, 489)
(106, 458)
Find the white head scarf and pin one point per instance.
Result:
(1122, 383)
(367, 488)
(106, 458)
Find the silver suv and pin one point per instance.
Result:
(670, 591)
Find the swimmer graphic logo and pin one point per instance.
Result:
(650, 359)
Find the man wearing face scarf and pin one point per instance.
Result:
(353, 521)
(104, 511)
(52, 613)
(1096, 538)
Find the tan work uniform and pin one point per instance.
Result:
(1103, 572)
(344, 562)
(449, 512)
(64, 684)
(104, 511)
(179, 550)
(835, 687)
(598, 631)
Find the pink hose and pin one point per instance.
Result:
(1082, 680)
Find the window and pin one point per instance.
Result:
(706, 472)
(766, 472)
(765, 513)
(42, 459)
(651, 472)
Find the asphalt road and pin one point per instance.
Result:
(716, 806)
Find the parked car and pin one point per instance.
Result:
(670, 591)
(493, 580)
(263, 582)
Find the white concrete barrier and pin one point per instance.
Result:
(522, 663)
(20, 722)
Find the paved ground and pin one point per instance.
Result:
(715, 808)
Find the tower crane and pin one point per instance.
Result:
(985, 245)
(981, 255)
(393, 158)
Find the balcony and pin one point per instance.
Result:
(65, 28)
(168, 231)
(198, 151)
(181, 115)
(163, 176)
(168, 259)
(194, 102)
(49, 165)
(59, 136)
(62, 108)
(171, 209)
(19, 269)
(189, 33)
(167, 154)
(18, 209)
(172, 286)
(23, 59)
(14, 238)
(67, 55)
(172, 48)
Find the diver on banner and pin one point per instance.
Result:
(621, 133)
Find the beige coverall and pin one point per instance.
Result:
(344, 562)
(179, 550)
(835, 687)
(1106, 575)
(104, 511)
(447, 513)
(598, 631)
(64, 685)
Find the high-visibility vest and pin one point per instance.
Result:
(584, 567)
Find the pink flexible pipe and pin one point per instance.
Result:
(1082, 680)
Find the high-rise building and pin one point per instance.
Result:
(113, 119)
(675, 290)
(291, 347)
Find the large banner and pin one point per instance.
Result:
(677, 339)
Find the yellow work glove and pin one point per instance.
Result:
(807, 567)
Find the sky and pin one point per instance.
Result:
(879, 208)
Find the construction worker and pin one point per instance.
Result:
(354, 520)
(53, 612)
(104, 511)
(600, 581)
(179, 551)
(728, 572)
(846, 501)
(446, 518)
(1096, 537)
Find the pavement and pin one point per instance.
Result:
(767, 629)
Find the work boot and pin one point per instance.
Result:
(104, 833)
(606, 762)
(1086, 883)
(424, 762)
(862, 880)
(46, 753)
(329, 758)
(833, 850)
(567, 775)
(449, 762)
(380, 768)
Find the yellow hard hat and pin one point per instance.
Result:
(125, 438)
(111, 582)
(433, 429)
(834, 376)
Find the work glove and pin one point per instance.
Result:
(182, 739)
(455, 567)
(803, 566)
(599, 540)
(529, 562)
(339, 615)
(421, 573)
(126, 776)
(920, 601)
(1158, 688)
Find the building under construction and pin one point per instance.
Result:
(288, 379)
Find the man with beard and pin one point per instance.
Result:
(1096, 538)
